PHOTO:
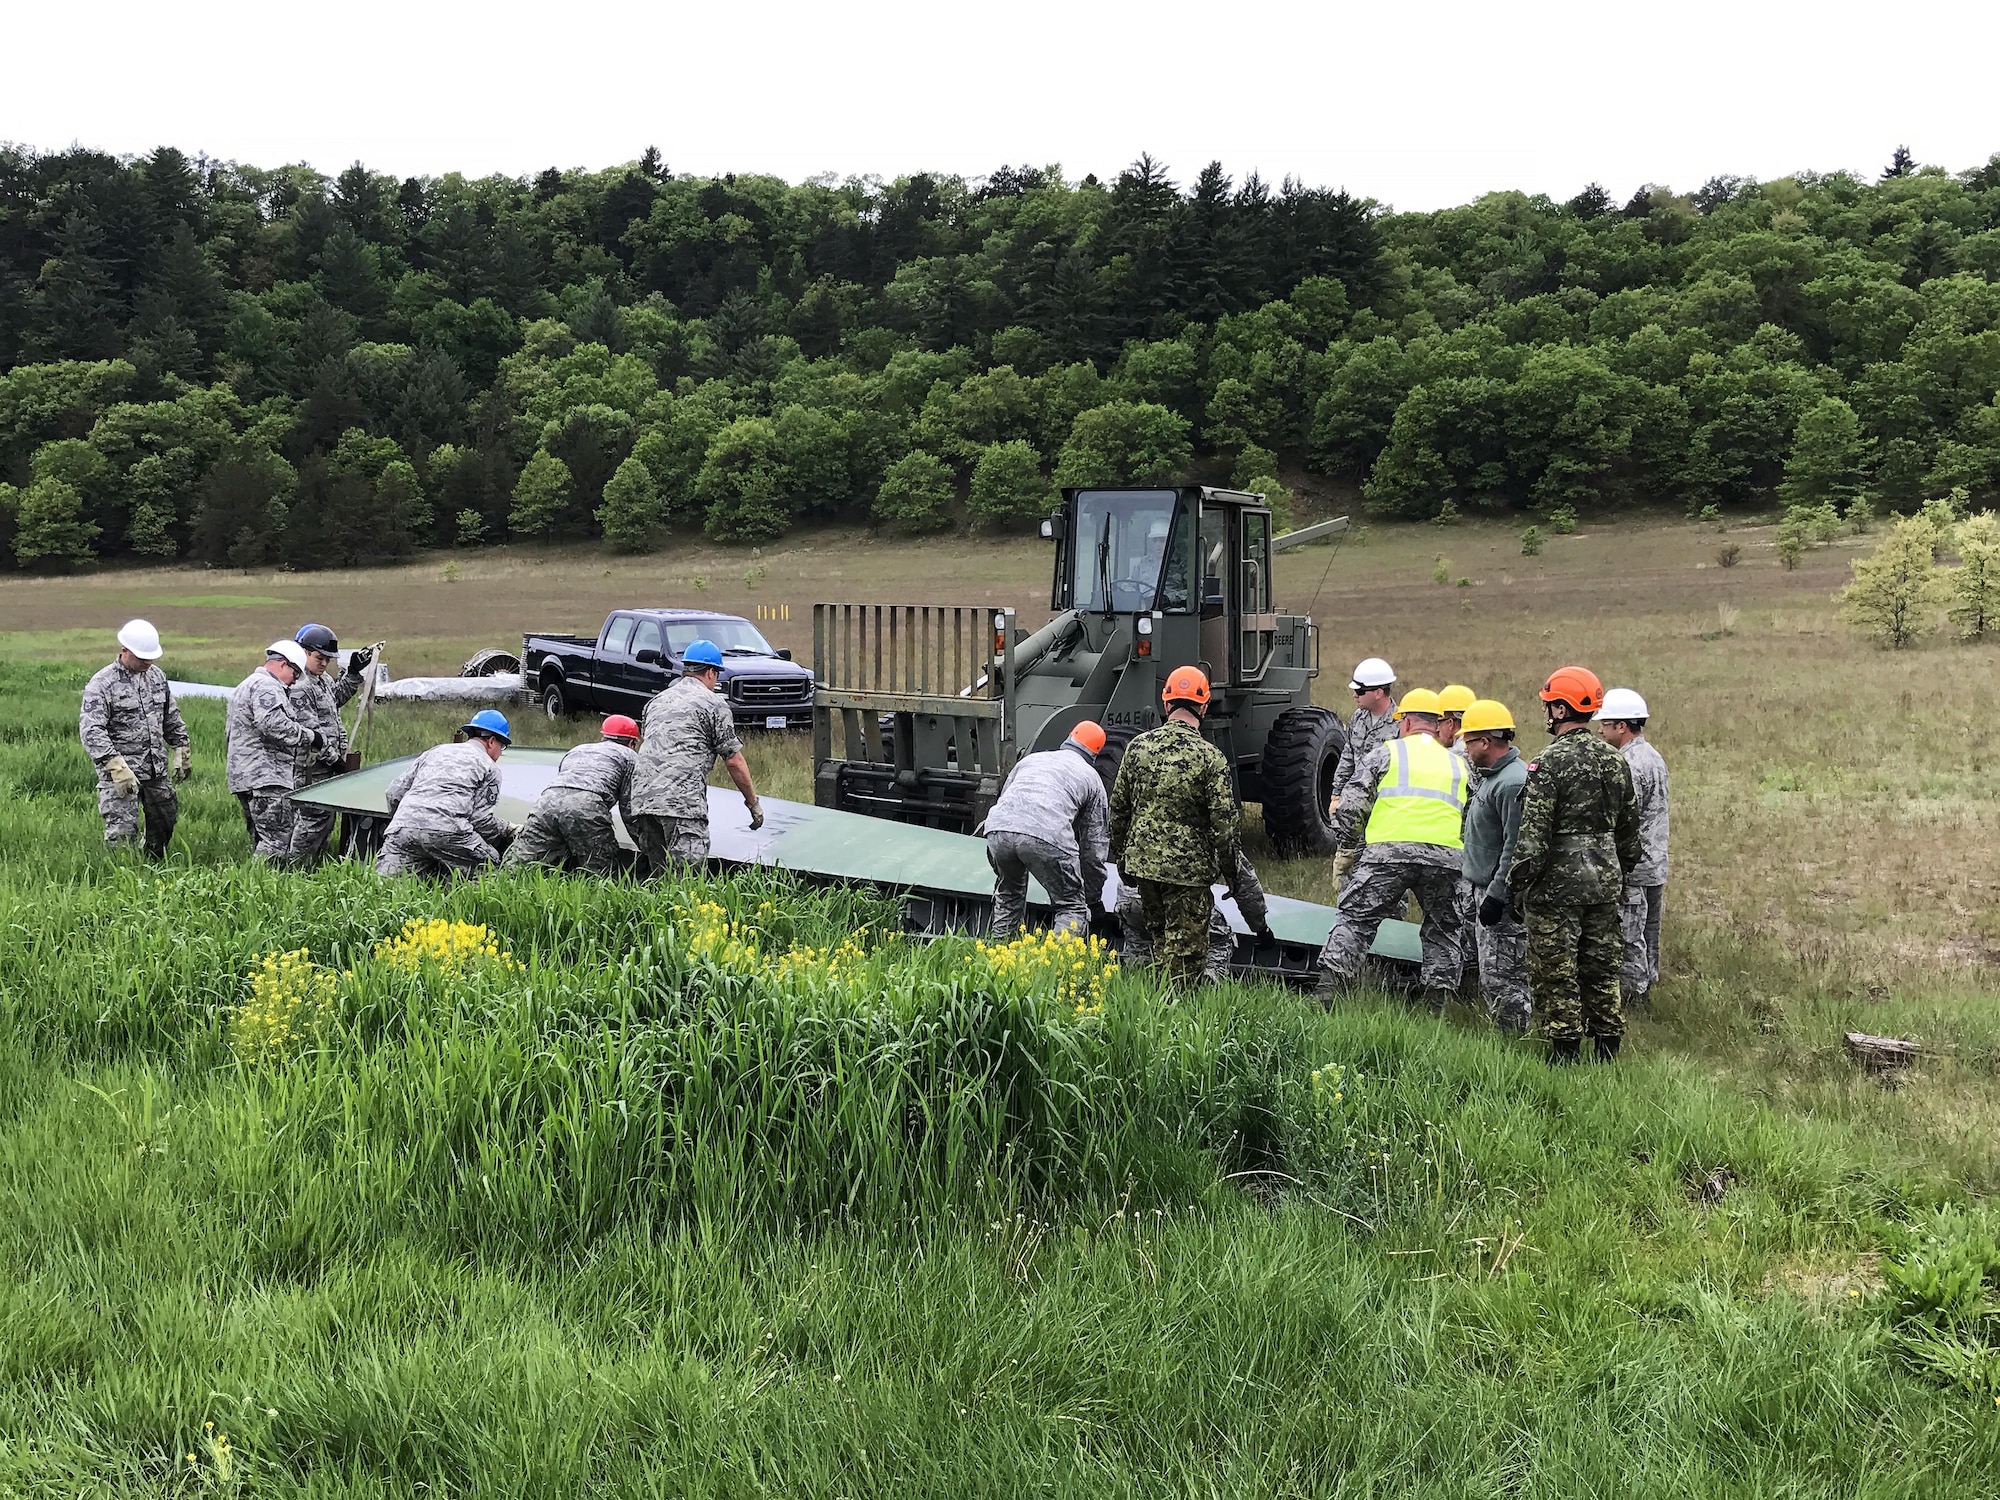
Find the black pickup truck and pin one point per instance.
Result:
(638, 652)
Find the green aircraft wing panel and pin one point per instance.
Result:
(829, 845)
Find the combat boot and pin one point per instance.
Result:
(1607, 1048)
(1564, 1051)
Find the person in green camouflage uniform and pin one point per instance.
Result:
(1579, 835)
(1175, 829)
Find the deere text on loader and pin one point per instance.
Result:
(921, 710)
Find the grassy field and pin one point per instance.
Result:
(718, 1189)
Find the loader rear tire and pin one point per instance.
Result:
(1300, 757)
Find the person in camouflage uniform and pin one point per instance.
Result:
(441, 809)
(570, 827)
(1175, 828)
(128, 723)
(1372, 724)
(266, 741)
(1579, 836)
(1135, 947)
(1404, 811)
(1049, 823)
(687, 729)
(317, 698)
(1622, 722)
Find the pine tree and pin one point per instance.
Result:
(1896, 591)
(1975, 582)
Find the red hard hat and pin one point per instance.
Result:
(618, 727)
(1579, 687)
(1186, 685)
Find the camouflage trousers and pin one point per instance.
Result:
(1016, 856)
(1574, 953)
(156, 799)
(1639, 925)
(571, 831)
(666, 842)
(312, 825)
(1374, 893)
(1468, 939)
(1503, 971)
(434, 851)
(1135, 948)
(1176, 918)
(268, 814)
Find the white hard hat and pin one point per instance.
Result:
(141, 639)
(291, 651)
(1622, 703)
(1373, 673)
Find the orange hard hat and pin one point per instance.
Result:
(1090, 735)
(618, 727)
(1186, 685)
(1579, 687)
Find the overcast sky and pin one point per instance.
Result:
(1415, 105)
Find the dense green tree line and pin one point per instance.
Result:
(243, 366)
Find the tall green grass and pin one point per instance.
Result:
(689, 1200)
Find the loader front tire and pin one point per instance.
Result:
(1300, 757)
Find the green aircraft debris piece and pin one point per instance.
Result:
(826, 844)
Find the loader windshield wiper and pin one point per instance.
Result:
(1104, 567)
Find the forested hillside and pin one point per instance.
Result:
(209, 360)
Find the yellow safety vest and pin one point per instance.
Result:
(1421, 798)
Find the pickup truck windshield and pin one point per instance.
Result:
(1130, 551)
(735, 637)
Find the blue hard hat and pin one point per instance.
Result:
(702, 654)
(317, 638)
(489, 721)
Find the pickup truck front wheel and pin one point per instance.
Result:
(554, 703)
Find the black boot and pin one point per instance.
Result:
(1607, 1048)
(1564, 1051)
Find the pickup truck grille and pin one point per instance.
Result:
(762, 692)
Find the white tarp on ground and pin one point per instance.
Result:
(501, 687)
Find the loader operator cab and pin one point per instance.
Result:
(1199, 559)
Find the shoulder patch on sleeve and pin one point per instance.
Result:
(1532, 764)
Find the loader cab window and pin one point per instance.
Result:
(1130, 550)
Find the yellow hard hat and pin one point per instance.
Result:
(1419, 701)
(1456, 698)
(1484, 714)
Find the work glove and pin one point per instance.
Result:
(318, 742)
(1262, 932)
(1491, 910)
(756, 816)
(183, 763)
(1343, 865)
(121, 776)
(360, 659)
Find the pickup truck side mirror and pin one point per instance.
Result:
(784, 653)
(646, 656)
